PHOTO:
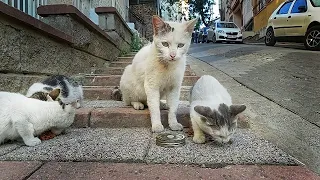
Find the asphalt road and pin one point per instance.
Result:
(285, 74)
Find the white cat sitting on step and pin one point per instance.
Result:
(23, 117)
(212, 111)
(157, 71)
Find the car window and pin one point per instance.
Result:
(285, 8)
(226, 25)
(297, 4)
(315, 3)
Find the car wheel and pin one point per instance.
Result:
(312, 38)
(214, 39)
(270, 40)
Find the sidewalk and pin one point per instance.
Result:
(131, 153)
(139, 171)
(290, 131)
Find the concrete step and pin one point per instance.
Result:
(119, 71)
(114, 80)
(115, 114)
(130, 54)
(105, 93)
(125, 59)
(83, 153)
(119, 64)
(123, 64)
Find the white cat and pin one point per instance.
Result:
(157, 71)
(211, 111)
(27, 117)
(71, 91)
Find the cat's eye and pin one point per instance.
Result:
(180, 45)
(165, 44)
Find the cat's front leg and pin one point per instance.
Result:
(173, 103)
(198, 135)
(153, 100)
(26, 131)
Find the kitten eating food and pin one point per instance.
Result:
(212, 111)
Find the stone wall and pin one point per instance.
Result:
(145, 12)
(31, 50)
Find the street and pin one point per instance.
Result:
(287, 78)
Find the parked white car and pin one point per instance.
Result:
(224, 32)
(295, 21)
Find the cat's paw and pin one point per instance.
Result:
(137, 105)
(176, 126)
(157, 128)
(33, 142)
(199, 139)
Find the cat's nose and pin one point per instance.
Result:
(172, 55)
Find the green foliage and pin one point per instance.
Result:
(136, 42)
(201, 7)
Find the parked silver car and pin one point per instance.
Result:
(224, 32)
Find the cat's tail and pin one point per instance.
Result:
(116, 94)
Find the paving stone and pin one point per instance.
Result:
(86, 144)
(17, 170)
(135, 171)
(8, 147)
(82, 118)
(245, 149)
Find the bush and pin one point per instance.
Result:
(136, 42)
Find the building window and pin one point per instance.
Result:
(261, 4)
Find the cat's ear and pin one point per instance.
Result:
(236, 109)
(159, 26)
(54, 94)
(203, 110)
(49, 98)
(190, 25)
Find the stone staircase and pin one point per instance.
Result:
(105, 130)
(104, 110)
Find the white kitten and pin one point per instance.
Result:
(157, 71)
(211, 111)
(27, 117)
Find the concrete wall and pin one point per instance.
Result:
(247, 11)
(31, 50)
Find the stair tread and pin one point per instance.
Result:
(118, 104)
(139, 145)
(112, 87)
(115, 114)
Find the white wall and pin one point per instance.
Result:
(246, 11)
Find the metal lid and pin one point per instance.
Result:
(170, 140)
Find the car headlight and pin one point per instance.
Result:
(220, 31)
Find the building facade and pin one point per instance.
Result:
(250, 15)
(141, 12)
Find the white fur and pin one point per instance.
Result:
(154, 74)
(75, 93)
(27, 117)
(208, 91)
